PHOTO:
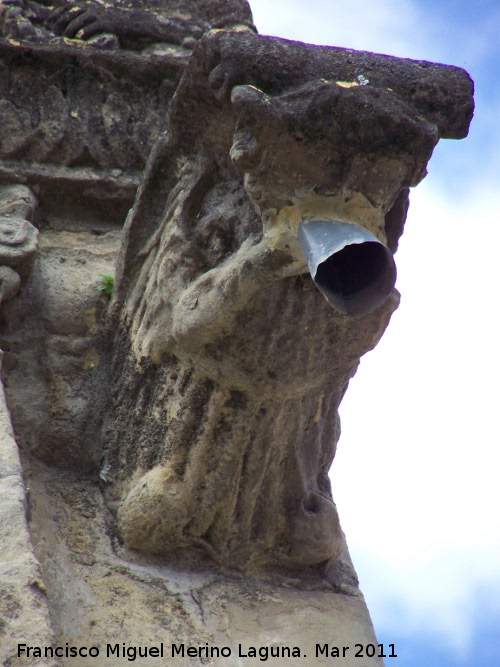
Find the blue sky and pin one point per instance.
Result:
(416, 477)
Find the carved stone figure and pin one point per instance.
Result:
(229, 366)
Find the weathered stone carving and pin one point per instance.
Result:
(240, 365)
(18, 238)
(205, 413)
(85, 119)
(79, 110)
(130, 24)
(228, 365)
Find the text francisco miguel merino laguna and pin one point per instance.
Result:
(263, 653)
(162, 650)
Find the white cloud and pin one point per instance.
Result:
(416, 476)
(385, 26)
(430, 604)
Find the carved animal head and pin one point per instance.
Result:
(327, 137)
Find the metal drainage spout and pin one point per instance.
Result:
(352, 268)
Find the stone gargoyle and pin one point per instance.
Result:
(228, 365)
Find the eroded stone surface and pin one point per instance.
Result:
(22, 591)
(56, 351)
(201, 408)
(103, 594)
(171, 26)
(18, 244)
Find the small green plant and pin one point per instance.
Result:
(107, 283)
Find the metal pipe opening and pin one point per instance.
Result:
(351, 267)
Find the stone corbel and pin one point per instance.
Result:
(230, 450)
